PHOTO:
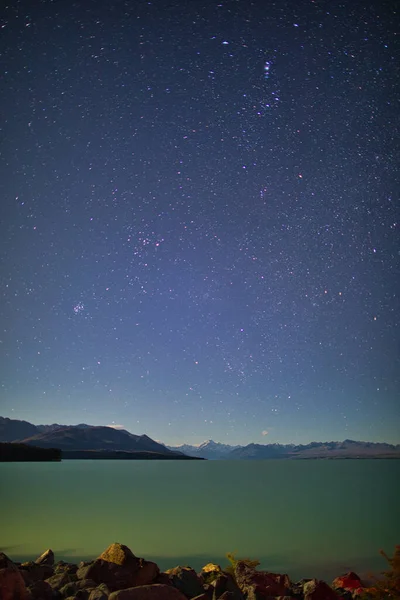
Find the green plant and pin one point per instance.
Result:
(388, 586)
(230, 569)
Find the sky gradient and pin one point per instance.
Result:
(200, 218)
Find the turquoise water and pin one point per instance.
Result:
(306, 518)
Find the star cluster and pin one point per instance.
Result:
(201, 236)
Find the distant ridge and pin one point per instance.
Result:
(79, 438)
(346, 449)
(85, 437)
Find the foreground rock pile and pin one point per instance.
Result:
(117, 574)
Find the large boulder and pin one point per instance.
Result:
(119, 569)
(186, 580)
(260, 583)
(47, 558)
(119, 554)
(316, 589)
(156, 591)
(12, 584)
(163, 578)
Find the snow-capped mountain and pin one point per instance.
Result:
(208, 449)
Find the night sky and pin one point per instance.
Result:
(200, 218)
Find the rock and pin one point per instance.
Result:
(118, 554)
(210, 572)
(296, 589)
(226, 583)
(32, 571)
(147, 573)
(100, 571)
(6, 562)
(101, 592)
(163, 578)
(41, 590)
(357, 592)
(58, 581)
(47, 558)
(349, 581)
(118, 577)
(220, 585)
(156, 591)
(186, 580)
(119, 569)
(318, 590)
(70, 589)
(83, 594)
(12, 584)
(64, 567)
(260, 583)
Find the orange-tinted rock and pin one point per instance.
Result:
(349, 581)
(119, 554)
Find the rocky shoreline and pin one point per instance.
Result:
(117, 574)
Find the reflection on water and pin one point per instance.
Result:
(307, 518)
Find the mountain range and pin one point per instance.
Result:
(82, 438)
(89, 438)
(346, 449)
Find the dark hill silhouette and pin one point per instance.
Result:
(95, 438)
(12, 429)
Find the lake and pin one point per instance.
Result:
(306, 518)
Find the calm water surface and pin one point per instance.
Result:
(307, 518)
